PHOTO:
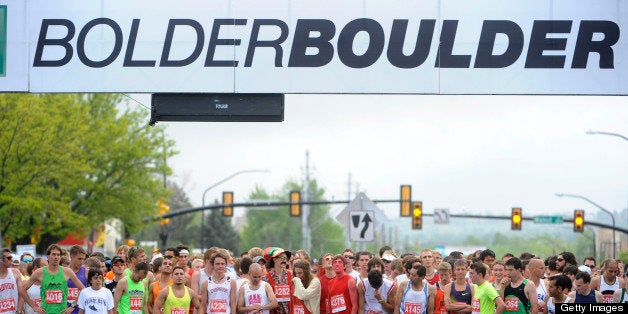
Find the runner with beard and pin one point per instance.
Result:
(415, 296)
(343, 293)
(376, 294)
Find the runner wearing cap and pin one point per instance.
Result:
(279, 278)
(117, 267)
(387, 258)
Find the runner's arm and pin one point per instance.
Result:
(399, 295)
(159, 301)
(271, 298)
(431, 292)
(353, 294)
(530, 291)
(232, 297)
(360, 297)
(203, 307)
(499, 305)
(389, 301)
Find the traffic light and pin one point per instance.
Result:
(295, 204)
(578, 220)
(417, 215)
(406, 198)
(162, 209)
(515, 219)
(227, 199)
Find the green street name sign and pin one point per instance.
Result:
(543, 219)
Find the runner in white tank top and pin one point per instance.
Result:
(608, 290)
(8, 290)
(257, 296)
(218, 296)
(414, 302)
(371, 304)
(33, 293)
(551, 307)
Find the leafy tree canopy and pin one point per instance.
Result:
(70, 161)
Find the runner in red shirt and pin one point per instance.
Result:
(343, 291)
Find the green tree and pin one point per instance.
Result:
(70, 161)
(220, 233)
(276, 228)
(182, 229)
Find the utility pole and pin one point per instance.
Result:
(305, 218)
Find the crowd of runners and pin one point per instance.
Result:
(278, 281)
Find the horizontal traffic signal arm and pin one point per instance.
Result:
(287, 203)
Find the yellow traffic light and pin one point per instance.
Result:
(295, 204)
(515, 219)
(406, 198)
(227, 199)
(417, 215)
(162, 209)
(578, 220)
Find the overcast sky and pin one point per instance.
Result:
(472, 153)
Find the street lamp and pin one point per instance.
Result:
(596, 205)
(217, 184)
(590, 132)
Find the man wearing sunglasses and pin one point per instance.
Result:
(565, 259)
(11, 282)
(118, 266)
(350, 258)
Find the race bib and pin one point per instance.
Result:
(136, 303)
(338, 303)
(475, 304)
(7, 305)
(255, 299)
(282, 292)
(412, 307)
(178, 310)
(512, 304)
(73, 294)
(299, 309)
(369, 311)
(54, 296)
(37, 301)
(218, 306)
(608, 298)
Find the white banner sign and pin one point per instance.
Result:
(323, 46)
